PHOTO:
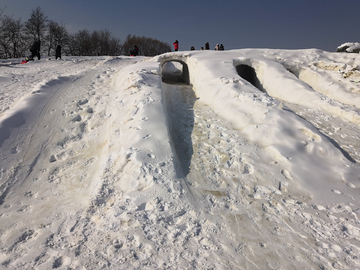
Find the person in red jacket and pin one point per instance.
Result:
(176, 45)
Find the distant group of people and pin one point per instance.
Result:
(207, 47)
(35, 51)
(219, 48)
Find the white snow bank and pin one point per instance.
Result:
(350, 47)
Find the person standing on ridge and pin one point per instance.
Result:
(176, 45)
(35, 50)
(58, 52)
(135, 51)
(207, 46)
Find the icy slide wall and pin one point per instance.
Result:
(298, 87)
(323, 84)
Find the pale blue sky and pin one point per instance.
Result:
(278, 24)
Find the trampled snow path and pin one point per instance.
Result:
(113, 169)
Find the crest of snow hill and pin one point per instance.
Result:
(349, 47)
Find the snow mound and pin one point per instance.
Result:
(350, 47)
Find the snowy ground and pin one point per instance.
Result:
(243, 159)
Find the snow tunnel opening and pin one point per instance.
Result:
(175, 72)
(248, 73)
(293, 71)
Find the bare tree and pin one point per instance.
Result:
(95, 43)
(101, 42)
(80, 43)
(11, 37)
(4, 42)
(129, 44)
(105, 39)
(36, 26)
(71, 49)
(147, 46)
(50, 37)
(2, 11)
(114, 46)
(108, 44)
(57, 34)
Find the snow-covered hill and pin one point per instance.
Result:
(243, 159)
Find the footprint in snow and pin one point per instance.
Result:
(144, 119)
(247, 169)
(223, 134)
(136, 128)
(83, 101)
(52, 159)
(15, 150)
(350, 185)
(147, 137)
(286, 174)
(76, 118)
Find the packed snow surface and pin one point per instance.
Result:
(243, 159)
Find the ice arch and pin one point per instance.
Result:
(248, 73)
(174, 71)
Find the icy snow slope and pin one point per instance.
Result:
(104, 166)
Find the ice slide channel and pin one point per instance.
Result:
(249, 73)
(179, 99)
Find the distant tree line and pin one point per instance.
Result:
(147, 46)
(16, 38)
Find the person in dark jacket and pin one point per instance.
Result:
(207, 46)
(135, 51)
(58, 52)
(176, 45)
(35, 50)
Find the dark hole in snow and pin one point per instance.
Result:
(175, 72)
(142, 207)
(100, 201)
(248, 73)
(58, 263)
